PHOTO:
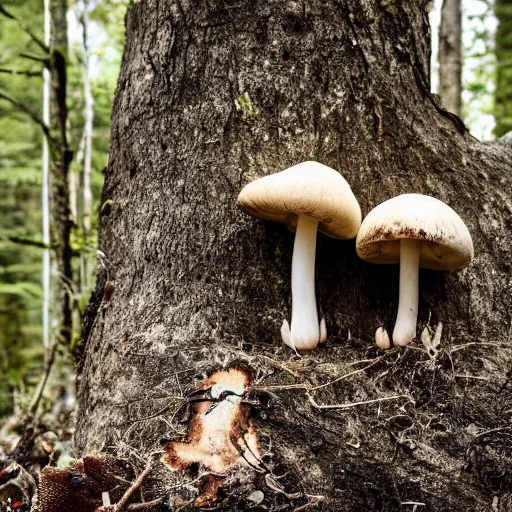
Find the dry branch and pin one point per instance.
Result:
(25, 29)
(26, 110)
(25, 72)
(355, 404)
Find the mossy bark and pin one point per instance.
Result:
(194, 285)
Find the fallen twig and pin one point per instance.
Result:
(476, 377)
(129, 492)
(342, 377)
(281, 387)
(347, 375)
(314, 500)
(144, 506)
(281, 365)
(491, 431)
(480, 344)
(192, 482)
(355, 404)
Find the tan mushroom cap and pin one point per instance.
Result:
(446, 242)
(309, 188)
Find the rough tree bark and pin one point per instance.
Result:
(450, 56)
(215, 94)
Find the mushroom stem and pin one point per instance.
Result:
(305, 330)
(405, 327)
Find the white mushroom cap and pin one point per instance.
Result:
(445, 240)
(307, 197)
(308, 188)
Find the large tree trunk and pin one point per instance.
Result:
(215, 94)
(450, 56)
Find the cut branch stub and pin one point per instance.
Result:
(220, 433)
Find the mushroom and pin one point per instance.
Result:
(382, 339)
(415, 231)
(306, 197)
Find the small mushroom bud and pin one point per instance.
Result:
(382, 339)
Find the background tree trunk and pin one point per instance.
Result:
(45, 189)
(84, 157)
(60, 162)
(450, 56)
(215, 94)
(503, 94)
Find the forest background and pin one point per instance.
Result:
(93, 52)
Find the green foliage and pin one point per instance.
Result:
(503, 94)
(20, 290)
(110, 14)
(24, 290)
(20, 170)
(20, 161)
(479, 66)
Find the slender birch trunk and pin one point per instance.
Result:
(57, 220)
(45, 194)
(87, 162)
(48, 342)
(80, 187)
